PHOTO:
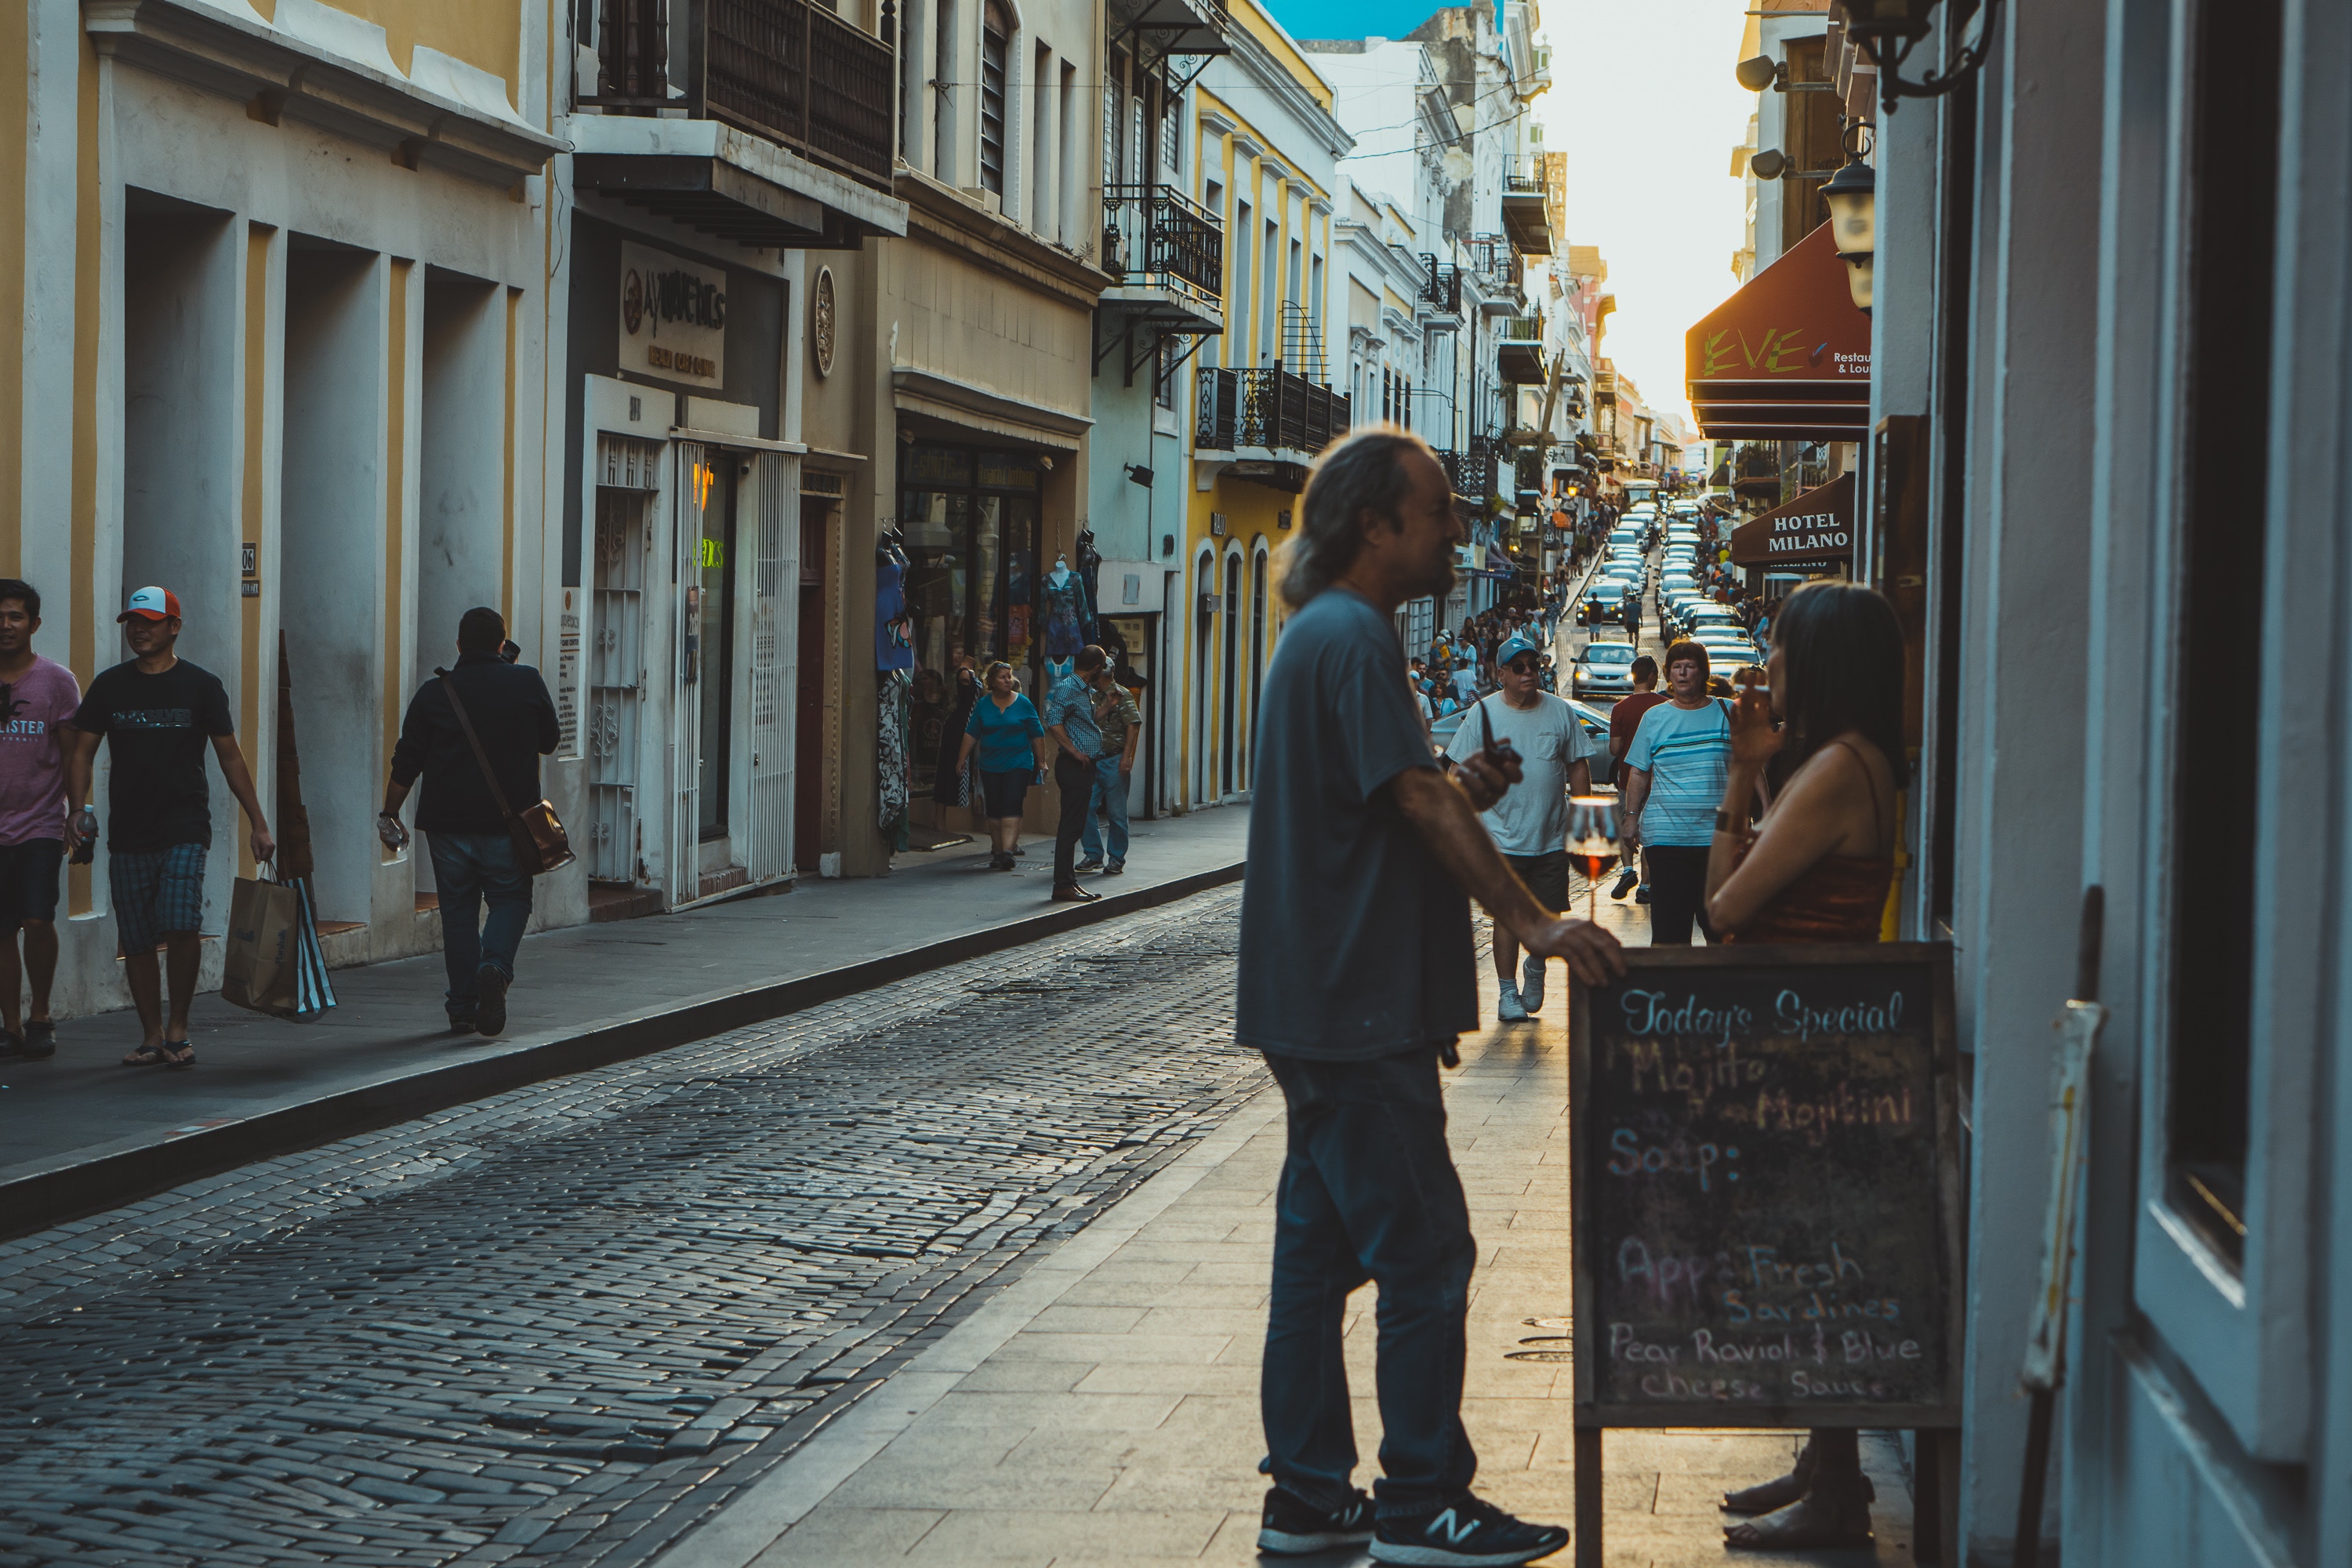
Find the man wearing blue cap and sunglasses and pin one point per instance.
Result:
(1530, 823)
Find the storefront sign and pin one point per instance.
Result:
(1787, 356)
(1814, 529)
(672, 317)
(567, 677)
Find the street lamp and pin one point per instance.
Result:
(1885, 31)
(1852, 193)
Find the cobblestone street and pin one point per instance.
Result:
(565, 1323)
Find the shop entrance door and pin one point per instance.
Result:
(808, 679)
(628, 473)
(766, 838)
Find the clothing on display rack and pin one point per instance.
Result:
(1067, 610)
(1090, 574)
(892, 625)
(890, 755)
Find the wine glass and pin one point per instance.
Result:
(1592, 842)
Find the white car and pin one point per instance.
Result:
(1603, 669)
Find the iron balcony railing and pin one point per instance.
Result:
(1268, 407)
(784, 70)
(1441, 287)
(1524, 176)
(1159, 238)
(1495, 261)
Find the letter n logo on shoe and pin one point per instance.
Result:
(1455, 1530)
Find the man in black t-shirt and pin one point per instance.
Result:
(156, 711)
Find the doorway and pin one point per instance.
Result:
(808, 714)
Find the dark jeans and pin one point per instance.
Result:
(1369, 1191)
(1075, 780)
(468, 870)
(1677, 894)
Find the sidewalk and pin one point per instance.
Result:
(1103, 1410)
(84, 1133)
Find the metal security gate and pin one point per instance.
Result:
(627, 475)
(773, 669)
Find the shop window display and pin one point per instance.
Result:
(971, 521)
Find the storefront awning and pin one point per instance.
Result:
(1814, 531)
(1787, 358)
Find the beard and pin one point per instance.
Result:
(1438, 581)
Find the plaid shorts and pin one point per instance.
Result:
(155, 891)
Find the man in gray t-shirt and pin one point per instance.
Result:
(1356, 973)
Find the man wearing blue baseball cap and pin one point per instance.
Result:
(1530, 823)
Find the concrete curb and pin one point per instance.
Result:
(88, 1182)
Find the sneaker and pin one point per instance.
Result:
(1114, 868)
(460, 1022)
(40, 1039)
(1508, 1008)
(1642, 894)
(10, 1045)
(1531, 983)
(489, 1000)
(1291, 1525)
(1468, 1533)
(1091, 863)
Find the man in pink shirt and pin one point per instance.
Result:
(37, 696)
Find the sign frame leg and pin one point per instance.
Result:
(1588, 1496)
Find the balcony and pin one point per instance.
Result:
(1167, 255)
(1499, 273)
(1518, 350)
(1158, 30)
(1441, 288)
(1268, 411)
(768, 125)
(1526, 216)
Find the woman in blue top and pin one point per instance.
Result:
(1005, 729)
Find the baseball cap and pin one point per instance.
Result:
(1513, 647)
(151, 604)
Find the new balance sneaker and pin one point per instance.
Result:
(1291, 1525)
(1532, 982)
(1468, 1532)
(1091, 863)
(1508, 1008)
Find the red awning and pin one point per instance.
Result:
(1814, 531)
(1787, 358)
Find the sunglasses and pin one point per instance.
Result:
(1521, 666)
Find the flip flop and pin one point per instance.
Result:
(169, 1054)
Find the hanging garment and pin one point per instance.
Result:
(1090, 575)
(951, 786)
(894, 646)
(1066, 612)
(890, 755)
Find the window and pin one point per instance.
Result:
(995, 33)
(2234, 177)
(943, 76)
(1042, 215)
(1237, 320)
(1171, 135)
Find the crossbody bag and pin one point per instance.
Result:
(540, 844)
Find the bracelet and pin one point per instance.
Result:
(1723, 823)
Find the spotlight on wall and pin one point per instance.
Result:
(1045, 461)
(1756, 74)
(1769, 164)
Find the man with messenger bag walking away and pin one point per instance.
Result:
(476, 734)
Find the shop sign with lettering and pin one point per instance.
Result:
(672, 317)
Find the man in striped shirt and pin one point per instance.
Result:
(1676, 770)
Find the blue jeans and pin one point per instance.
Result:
(1110, 799)
(1369, 1191)
(470, 869)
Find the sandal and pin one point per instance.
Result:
(1810, 1524)
(169, 1054)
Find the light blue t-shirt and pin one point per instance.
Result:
(1686, 752)
(1004, 734)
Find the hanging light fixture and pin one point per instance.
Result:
(1853, 196)
(1885, 31)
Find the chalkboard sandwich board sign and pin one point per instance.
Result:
(1767, 1194)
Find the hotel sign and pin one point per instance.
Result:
(1815, 530)
(672, 317)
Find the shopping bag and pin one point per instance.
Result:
(260, 968)
(314, 992)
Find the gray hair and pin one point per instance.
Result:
(1363, 472)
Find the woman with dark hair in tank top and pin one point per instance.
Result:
(1815, 868)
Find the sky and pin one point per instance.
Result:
(1643, 103)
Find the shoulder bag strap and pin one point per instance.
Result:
(1486, 726)
(481, 759)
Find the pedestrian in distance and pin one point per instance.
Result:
(155, 712)
(1069, 718)
(1357, 975)
(1816, 867)
(1623, 719)
(1120, 723)
(1674, 770)
(1530, 823)
(1005, 731)
(475, 864)
(37, 696)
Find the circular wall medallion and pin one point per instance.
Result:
(821, 320)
